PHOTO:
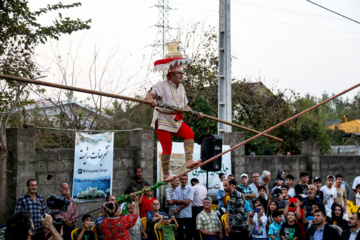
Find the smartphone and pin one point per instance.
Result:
(292, 199)
(256, 210)
(275, 195)
(309, 208)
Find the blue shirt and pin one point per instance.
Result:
(36, 209)
(246, 190)
(318, 235)
(274, 230)
(182, 194)
(98, 221)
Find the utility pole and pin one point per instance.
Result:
(224, 88)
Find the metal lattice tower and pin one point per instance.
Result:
(163, 33)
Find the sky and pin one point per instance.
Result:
(287, 44)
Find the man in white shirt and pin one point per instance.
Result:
(200, 193)
(329, 193)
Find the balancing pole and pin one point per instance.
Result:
(269, 129)
(61, 86)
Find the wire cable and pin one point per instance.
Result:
(333, 12)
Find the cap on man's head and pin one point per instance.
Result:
(330, 176)
(244, 175)
(317, 179)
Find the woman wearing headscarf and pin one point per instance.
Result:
(337, 216)
(280, 176)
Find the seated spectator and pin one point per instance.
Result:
(353, 232)
(290, 229)
(258, 221)
(289, 180)
(337, 216)
(280, 176)
(137, 232)
(115, 227)
(321, 231)
(275, 227)
(279, 199)
(311, 198)
(208, 223)
(152, 218)
(168, 230)
(85, 233)
(146, 202)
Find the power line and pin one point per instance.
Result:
(333, 12)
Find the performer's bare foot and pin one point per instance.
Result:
(168, 178)
(191, 164)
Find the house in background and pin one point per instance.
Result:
(64, 113)
(352, 129)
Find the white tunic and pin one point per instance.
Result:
(167, 92)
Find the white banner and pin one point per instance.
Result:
(93, 166)
(177, 166)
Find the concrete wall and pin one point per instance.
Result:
(51, 167)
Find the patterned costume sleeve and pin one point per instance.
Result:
(130, 220)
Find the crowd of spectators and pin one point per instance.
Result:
(264, 209)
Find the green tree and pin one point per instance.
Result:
(20, 33)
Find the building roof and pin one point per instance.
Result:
(348, 127)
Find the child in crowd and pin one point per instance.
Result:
(146, 201)
(308, 217)
(284, 192)
(167, 229)
(272, 207)
(220, 192)
(258, 221)
(279, 199)
(275, 227)
(289, 182)
(86, 233)
(290, 229)
(262, 197)
(278, 185)
(358, 195)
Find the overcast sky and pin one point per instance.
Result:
(288, 44)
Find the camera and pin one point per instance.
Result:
(57, 204)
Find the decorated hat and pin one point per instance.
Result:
(173, 60)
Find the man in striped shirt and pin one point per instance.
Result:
(237, 226)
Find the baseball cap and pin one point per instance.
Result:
(317, 179)
(330, 176)
(244, 175)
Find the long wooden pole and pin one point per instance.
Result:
(270, 129)
(84, 90)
